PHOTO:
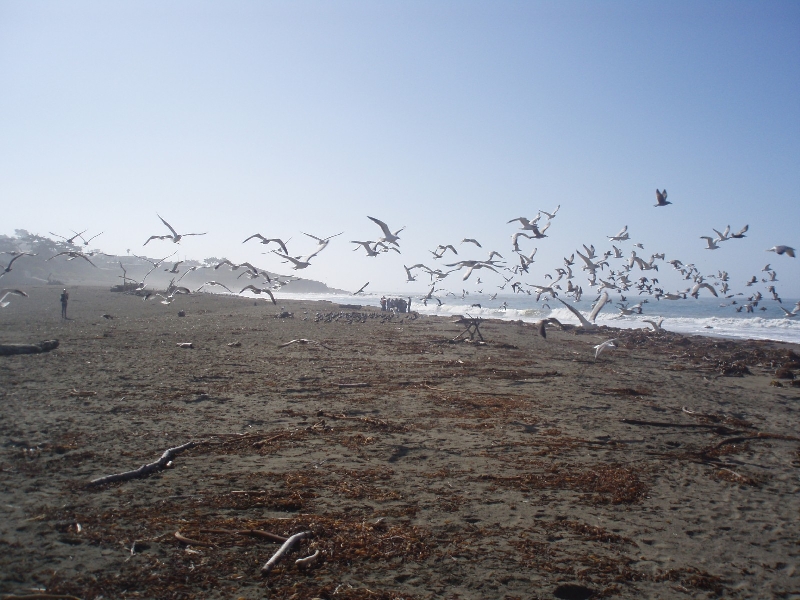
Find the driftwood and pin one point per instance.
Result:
(472, 328)
(717, 428)
(251, 532)
(308, 560)
(44, 346)
(287, 545)
(189, 541)
(759, 436)
(40, 597)
(145, 469)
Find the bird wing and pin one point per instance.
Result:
(259, 236)
(382, 225)
(598, 307)
(577, 313)
(174, 233)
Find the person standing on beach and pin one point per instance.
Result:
(64, 300)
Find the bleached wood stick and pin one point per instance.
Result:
(146, 469)
(287, 545)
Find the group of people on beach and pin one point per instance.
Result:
(396, 304)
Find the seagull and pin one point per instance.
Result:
(9, 292)
(710, 241)
(550, 215)
(323, 241)
(388, 236)
(11, 262)
(256, 290)
(214, 283)
(70, 241)
(741, 233)
(600, 347)
(171, 295)
(85, 241)
(621, 236)
(298, 263)
(439, 251)
(723, 236)
(175, 237)
(363, 287)
(656, 325)
(156, 263)
(696, 289)
(371, 250)
(174, 268)
(787, 315)
(782, 250)
(73, 255)
(661, 198)
(473, 241)
(515, 238)
(265, 240)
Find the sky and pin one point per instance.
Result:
(448, 118)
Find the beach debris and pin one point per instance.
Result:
(181, 313)
(251, 532)
(40, 596)
(287, 545)
(185, 345)
(304, 341)
(308, 560)
(190, 542)
(573, 591)
(44, 346)
(84, 394)
(236, 344)
(472, 328)
(161, 463)
(107, 316)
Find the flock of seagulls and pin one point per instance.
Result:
(613, 271)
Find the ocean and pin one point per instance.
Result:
(702, 316)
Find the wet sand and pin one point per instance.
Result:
(518, 468)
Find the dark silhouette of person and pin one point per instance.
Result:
(64, 301)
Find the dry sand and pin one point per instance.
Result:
(422, 468)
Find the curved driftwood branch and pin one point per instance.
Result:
(287, 545)
(146, 469)
(308, 560)
(44, 346)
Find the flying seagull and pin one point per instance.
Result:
(73, 255)
(175, 237)
(363, 287)
(265, 240)
(388, 236)
(472, 241)
(782, 250)
(8, 292)
(11, 262)
(256, 290)
(70, 241)
(661, 198)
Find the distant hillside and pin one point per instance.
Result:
(109, 270)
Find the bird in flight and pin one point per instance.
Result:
(11, 262)
(388, 236)
(782, 250)
(265, 240)
(256, 290)
(661, 198)
(175, 237)
(8, 292)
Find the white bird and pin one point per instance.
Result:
(600, 347)
(473, 241)
(388, 236)
(73, 255)
(515, 238)
(9, 292)
(550, 215)
(656, 325)
(265, 240)
(85, 241)
(175, 237)
(711, 244)
(621, 236)
(368, 246)
(696, 289)
(787, 315)
(256, 290)
(214, 283)
(782, 250)
(722, 236)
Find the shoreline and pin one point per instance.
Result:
(423, 468)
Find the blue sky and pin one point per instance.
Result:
(449, 118)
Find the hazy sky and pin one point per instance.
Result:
(449, 118)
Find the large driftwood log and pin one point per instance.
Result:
(146, 469)
(44, 346)
(287, 545)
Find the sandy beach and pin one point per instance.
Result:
(422, 468)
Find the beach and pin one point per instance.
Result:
(420, 465)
